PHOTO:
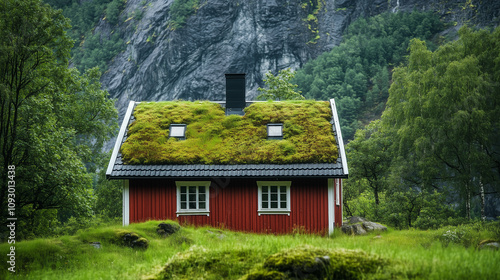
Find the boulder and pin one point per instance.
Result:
(489, 244)
(302, 263)
(355, 219)
(165, 229)
(359, 226)
(307, 262)
(132, 240)
(371, 226)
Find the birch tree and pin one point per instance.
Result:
(444, 108)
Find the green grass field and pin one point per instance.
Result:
(208, 253)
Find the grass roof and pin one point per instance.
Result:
(214, 138)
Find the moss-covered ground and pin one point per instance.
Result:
(210, 253)
(214, 138)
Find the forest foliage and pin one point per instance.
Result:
(434, 155)
(92, 49)
(54, 120)
(357, 73)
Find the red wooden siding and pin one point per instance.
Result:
(233, 205)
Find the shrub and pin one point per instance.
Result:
(470, 234)
(180, 10)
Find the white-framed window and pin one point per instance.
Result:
(177, 131)
(274, 197)
(275, 131)
(193, 197)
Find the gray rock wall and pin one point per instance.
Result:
(252, 37)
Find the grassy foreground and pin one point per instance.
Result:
(208, 253)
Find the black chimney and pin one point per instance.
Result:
(235, 94)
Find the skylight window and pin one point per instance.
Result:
(178, 131)
(275, 131)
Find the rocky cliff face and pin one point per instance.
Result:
(252, 37)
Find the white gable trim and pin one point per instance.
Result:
(119, 139)
(340, 141)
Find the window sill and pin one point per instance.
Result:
(193, 213)
(274, 212)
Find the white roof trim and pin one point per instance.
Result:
(119, 139)
(340, 141)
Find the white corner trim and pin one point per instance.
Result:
(126, 203)
(340, 140)
(341, 200)
(331, 206)
(337, 192)
(119, 138)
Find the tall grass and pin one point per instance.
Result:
(214, 253)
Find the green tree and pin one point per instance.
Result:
(53, 120)
(113, 10)
(370, 159)
(108, 203)
(279, 87)
(442, 106)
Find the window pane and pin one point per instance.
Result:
(192, 199)
(282, 189)
(192, 189)
(274, 204)
(274, 189)
(283, 204)
(201, 197)
(201, 189)
(202, 205)
(283, 197)
(183, 189)
(183, 197)
(183, 205)
(275, 130)
(264, 189)
(192, 205)
(265, 197)
(177, 131)
(274, 197)
(265, 205)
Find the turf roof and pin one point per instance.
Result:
(214, 138)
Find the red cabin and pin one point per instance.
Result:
(271, 167)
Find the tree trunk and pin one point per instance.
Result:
(467, 201)
(347, 209)
(375, 193)
(481, 194)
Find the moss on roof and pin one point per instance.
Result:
(214, 138)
